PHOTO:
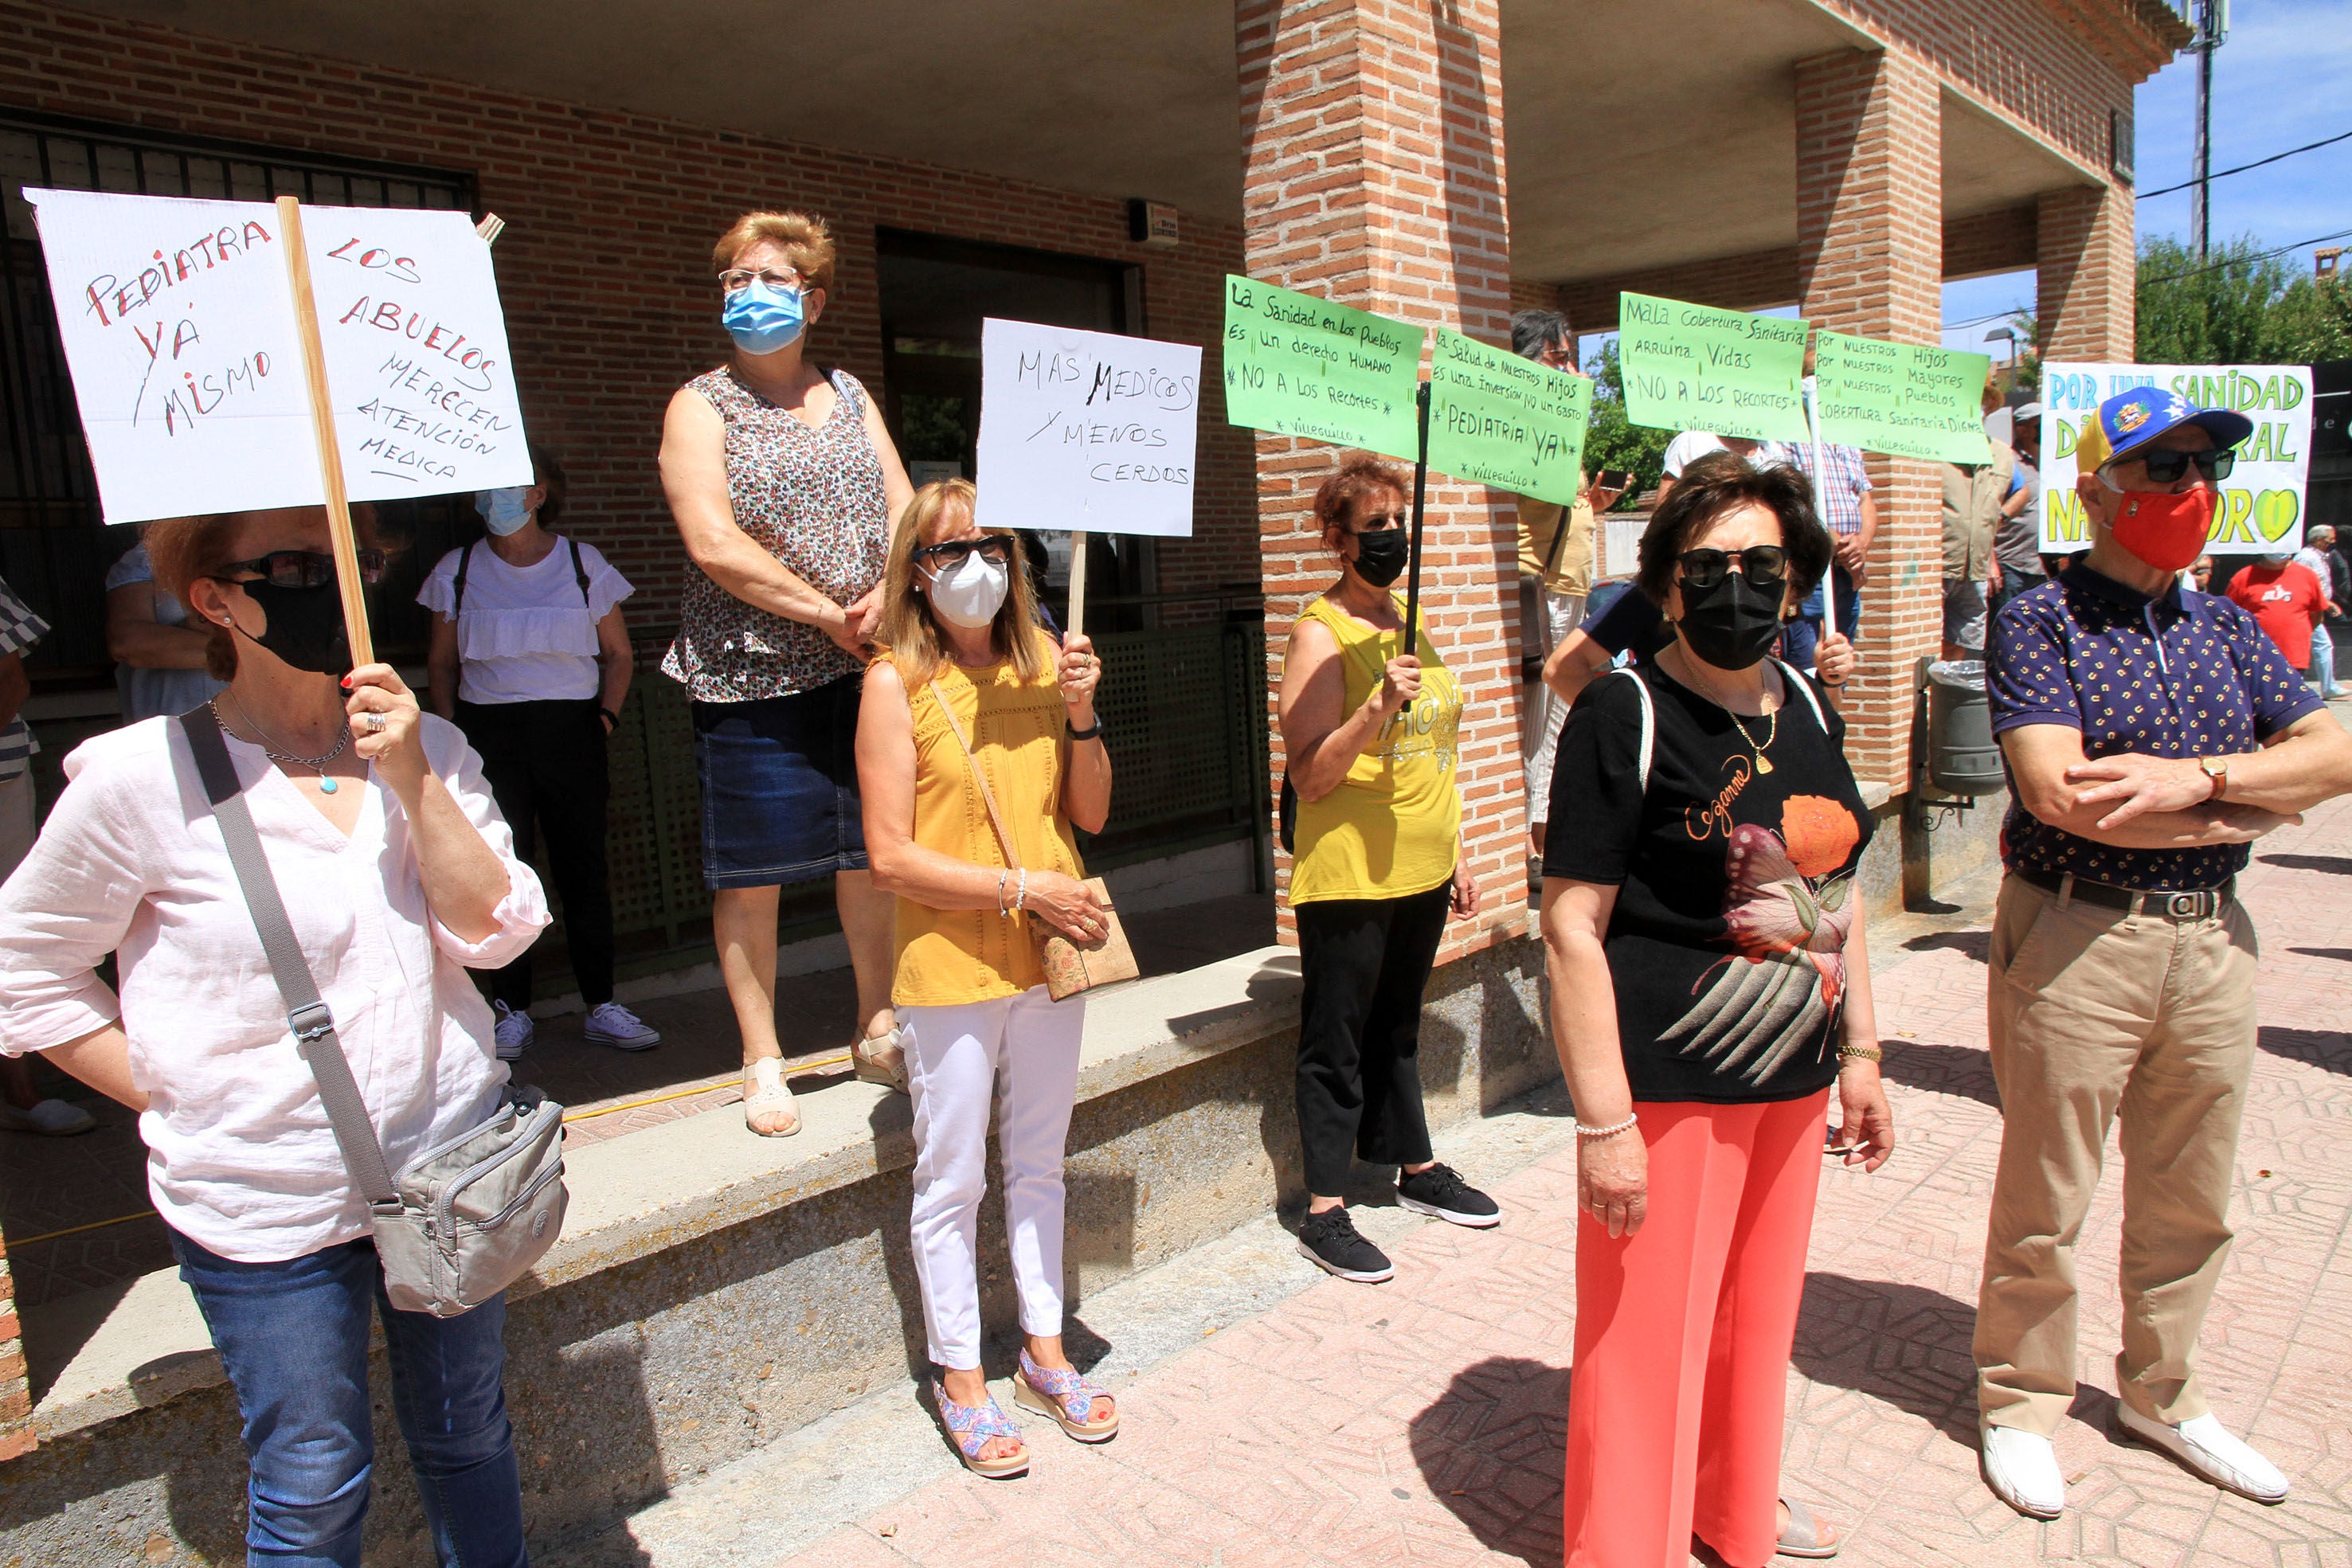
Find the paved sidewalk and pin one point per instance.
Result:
(1420, 1422)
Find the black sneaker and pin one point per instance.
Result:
(1440, 1193)
(1329, 1240)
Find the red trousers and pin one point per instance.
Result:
(1683, 1334)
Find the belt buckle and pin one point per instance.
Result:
(2186, 905)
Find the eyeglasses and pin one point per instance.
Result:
(2166, 466)
(1759, 564)
(302, 568)
(734, 280)
(947, 553)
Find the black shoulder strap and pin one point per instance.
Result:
(465, 561)
(580, 573)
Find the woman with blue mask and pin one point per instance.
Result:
(531, 659)
(784, 482)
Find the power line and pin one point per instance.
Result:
(2221, 173)
(2242, 260)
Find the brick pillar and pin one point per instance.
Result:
(15, 1392)
(1373, 170)
(1870, 252)
(2087, 272)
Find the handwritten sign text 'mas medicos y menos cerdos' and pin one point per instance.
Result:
(1297, 365)
(1086, 430)
(1902, 399)
(1500, 420)
(1693, 367)
(2261, 506)
(178, 322)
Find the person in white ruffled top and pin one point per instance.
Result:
(530, 657)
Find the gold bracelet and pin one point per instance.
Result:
(1861, 1052)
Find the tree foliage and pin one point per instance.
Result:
(2238, 307)
(1611, 441)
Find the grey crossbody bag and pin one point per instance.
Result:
(466, 1219)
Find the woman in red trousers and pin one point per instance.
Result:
(1708, 985)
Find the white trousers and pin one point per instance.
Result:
(1542, 712)
(954, 1056)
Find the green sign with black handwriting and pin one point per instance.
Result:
(1504, 421)
(1900, 398)
(1694, 366)
(1297, 365)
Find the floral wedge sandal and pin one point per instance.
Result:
(1067, 1397)
(971, 1426)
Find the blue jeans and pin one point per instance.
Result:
(1799, 637)
(294, 1337)
(2323, 657)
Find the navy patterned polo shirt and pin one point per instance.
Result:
(2188, 674)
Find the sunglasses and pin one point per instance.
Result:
(302, 568)
(1759, 564)
(947, 553)
(2166, 468)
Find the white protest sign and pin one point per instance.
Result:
(2261, 504)
(1085, 431)
(177, 318)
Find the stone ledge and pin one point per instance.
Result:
(655, 1189)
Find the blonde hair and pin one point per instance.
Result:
(808, 244)
(908, 630)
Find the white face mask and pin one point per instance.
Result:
(970, 592)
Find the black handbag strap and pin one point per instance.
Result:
(306, 1012)
(465, 562)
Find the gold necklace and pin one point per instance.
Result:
(1771, 716)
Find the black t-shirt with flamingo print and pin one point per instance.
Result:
(1735, 883)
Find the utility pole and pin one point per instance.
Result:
(2212, 29)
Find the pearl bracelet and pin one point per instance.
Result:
(1610, 1130)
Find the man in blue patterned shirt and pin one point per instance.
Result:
(2150, 733)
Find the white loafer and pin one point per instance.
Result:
(2021, 1469)
(2203, 1445)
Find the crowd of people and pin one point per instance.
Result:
(879, 698)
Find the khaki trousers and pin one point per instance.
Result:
(2096, 1013)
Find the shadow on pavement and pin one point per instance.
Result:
(2328, 1049)
(1941, 1069)
(1977, 944)
(1493, 1449)
(2335, 866)
(1903, 1344)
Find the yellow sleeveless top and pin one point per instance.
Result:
(1391, 829)
(949, 958)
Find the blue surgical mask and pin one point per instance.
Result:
(504, 511)
(762, 319)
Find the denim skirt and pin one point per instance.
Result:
(780, 787)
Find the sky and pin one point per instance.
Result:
(2282, 77)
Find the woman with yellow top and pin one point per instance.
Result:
(970, 684)
(1376, 865)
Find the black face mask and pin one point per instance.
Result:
(306, 626)
(1380, 556)
(1731, 625)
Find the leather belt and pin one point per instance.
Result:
(2199, 904)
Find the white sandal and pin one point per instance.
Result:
(764, 1093)
(881, 1059)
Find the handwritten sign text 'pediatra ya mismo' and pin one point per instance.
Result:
(1297, 365)
(178, 322)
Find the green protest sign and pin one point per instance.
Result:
(1297, 365)
(1900, 398)
(1693, 367)
(1504, 421)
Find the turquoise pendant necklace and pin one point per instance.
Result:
(316, 764)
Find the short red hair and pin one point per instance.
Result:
(1359, 474)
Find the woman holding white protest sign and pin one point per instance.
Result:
(784, 482)
(1369, 729)
(979, 750)
(396, 876)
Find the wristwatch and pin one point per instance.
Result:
(2217, 769)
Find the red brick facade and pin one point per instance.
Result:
(1374, 180)
(2087, 307)
(15, 1395)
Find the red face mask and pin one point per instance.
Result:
(2168, 531)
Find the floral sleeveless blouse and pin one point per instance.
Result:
(812, 498)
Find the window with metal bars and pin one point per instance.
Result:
(53, 550)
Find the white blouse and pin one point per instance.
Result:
(240, 1155)
(526, 634)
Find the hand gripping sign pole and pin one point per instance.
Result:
(1820, 477)
(1419, 491)
(323, 427)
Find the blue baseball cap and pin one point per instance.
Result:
(2130, 420)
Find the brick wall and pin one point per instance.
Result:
(2086, 306)
(2007, 240)
(15, 1394)
(1374, 177)
(604, 267)
(1758, 280)
(1870, 257)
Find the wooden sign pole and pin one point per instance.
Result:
(1821, 478)
(1077, 606)
(322, 428)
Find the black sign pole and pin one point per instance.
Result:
(1419, 489)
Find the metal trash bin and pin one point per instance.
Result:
(1963, 759)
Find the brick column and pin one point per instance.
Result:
(1373, 170)
(15, 1392)
(2088, 270)
(1870, 252)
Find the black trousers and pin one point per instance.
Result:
(545, 765)
(1366, 962)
